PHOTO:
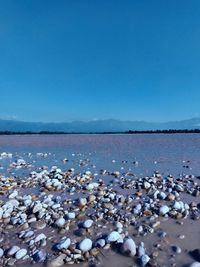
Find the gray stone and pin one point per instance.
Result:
(162, 195)
(141, 249)
(82, 201)
(63, 244)
(88, 223)
(71, 215)
(144, 259)
(178, 205)
(11, 262)
(176, 249)
(100, 243)
(20, 254)
(147, 185)
(164, 210)
(13, 250)
(40, 256)
(85, 245)
(13, 194)
(119, 225)
(90, 187)
(113, 236)
(1, 252)
(40, 237)
(195, 264)
(28, 234)
(129, 247)
(195, 254)
(37, 207)
(60, 222)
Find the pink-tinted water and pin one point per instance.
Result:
(163, 152)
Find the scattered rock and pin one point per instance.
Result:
(195, 264)
(60, 222)
(1, 252)
(129, 247)
(164, 210)
(13, 194)
(100, 210)
(85, 245)
(141, 249)
(100, 243)
(195, 254)
(144, 259)
(37, 207)
(12, 251)
(176, 249)
(63, 244)
(71, 215)
(40, 237)
(40, 256)
(113, 236)
(88, 223)
(20, 254)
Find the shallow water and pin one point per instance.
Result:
(162, 152)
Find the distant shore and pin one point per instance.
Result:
(170, 131)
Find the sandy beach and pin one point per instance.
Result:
(100, 200)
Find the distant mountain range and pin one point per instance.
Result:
(110, 125)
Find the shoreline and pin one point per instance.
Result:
(130, 132)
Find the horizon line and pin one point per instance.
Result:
(93, 120)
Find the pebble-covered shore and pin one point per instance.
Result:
(58, 217)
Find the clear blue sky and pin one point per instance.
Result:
(96, 59)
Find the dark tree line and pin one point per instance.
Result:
(170, 131)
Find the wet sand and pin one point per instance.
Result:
(130, 166)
